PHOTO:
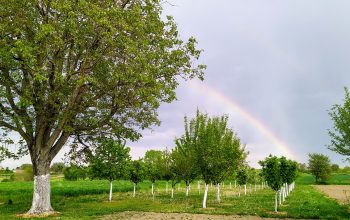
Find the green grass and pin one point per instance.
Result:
(335, 179)
(88, 200)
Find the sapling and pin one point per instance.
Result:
(271, 172)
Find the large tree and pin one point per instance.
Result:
(340, 135)
(81, 69)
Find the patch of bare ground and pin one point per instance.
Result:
(339, 192)
(132, 215)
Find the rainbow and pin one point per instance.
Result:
(232, 105)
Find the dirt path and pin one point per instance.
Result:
(131, 215)
(339, 192)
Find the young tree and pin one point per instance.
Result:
(154, 163)
(74, 172)
(335, 168)
(82, 69)
(184, 157)
(320, 167)
(340, 136)
(217, 149)
(137, 173)
(109, 161)
(242, 177)
(272, 174)
(166, 168)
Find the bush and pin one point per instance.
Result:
(74, 172)
(24, 173)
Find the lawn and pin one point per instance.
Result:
(335, 179)
(88, 200)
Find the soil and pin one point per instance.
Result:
(132, 215)
(339, 192)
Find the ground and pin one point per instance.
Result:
(88, 199)
(339, 192)
(177, 216)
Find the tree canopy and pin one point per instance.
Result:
(340, 135)
(320, 166)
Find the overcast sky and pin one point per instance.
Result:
(285, 63)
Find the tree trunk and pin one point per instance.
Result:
(41, 202)
(134, 190)
(199, 188)
(218, 193)
(280, 203)
(166, 187)
(41, 196)
(230, 186)
(152, 189)
(245, 189)
(235, 184)
(276, 201)
(187, 189)
(205, 196)
(110, 190)
(172, 192)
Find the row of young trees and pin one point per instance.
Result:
(208, 150)
(280, 174)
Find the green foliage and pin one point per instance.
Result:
(110, 160)
(74, 172)
(137, 171)
(340, 136)
(320, 167)
(154, 162)
(57, 168)
(216, 148)
(254, 175)
(84, 69)
(184, 157)
(271, 171)
(242, 177)
(302, 168)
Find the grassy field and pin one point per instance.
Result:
(336, 179)
(88, 200)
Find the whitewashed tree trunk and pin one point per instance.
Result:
(245, 189)
(110, 190)
(199, 188)
(218, 193)
(230, 186)
(187, 189)
(276, 201)
(280, 197)
(172, 192)
(283, 194)
(166, 187)
(205, 196)
(41, 195)
(254, 187)
(134, 190)
(239, 191)
(152, 189)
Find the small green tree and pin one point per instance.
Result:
(242, 178)
(137, 173)
(271, 171)
(335, 168)
(109, 161)
(154, 166)
(184, 157)
(320, 167)
(217, 149)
